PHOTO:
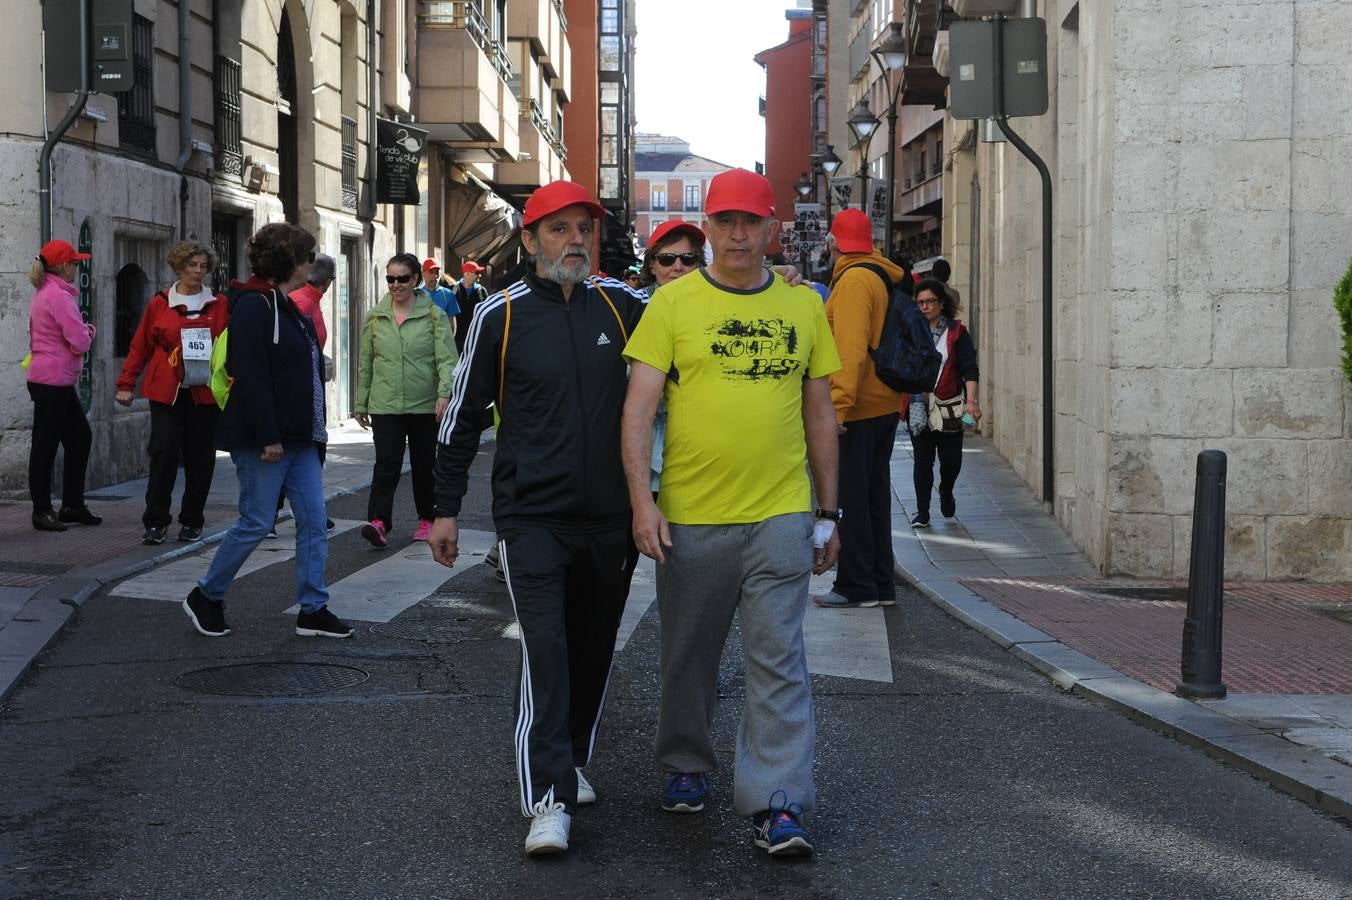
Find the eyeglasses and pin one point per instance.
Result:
(930, 302)
(669, 259)
(398, 279)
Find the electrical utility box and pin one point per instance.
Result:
(971, 68)
(109, 56)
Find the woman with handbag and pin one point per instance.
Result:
(936, 419)
(172, 346)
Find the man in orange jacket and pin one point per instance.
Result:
(866, 414)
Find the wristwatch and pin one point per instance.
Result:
(835, 515)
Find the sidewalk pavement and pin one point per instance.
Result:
(1004, 566)
(44, 576)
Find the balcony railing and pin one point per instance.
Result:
(659, 206)
(229, 148)
(349, 163)
(468, 15)
(859, 48)
(563, 20)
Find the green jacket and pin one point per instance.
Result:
(404, 368)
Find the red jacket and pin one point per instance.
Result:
(156, 348)
(307, 298)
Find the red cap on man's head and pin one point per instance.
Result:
(675, 225)
(558, 195)
(471, 266)
(58, 253)
(738, 190)
(430, 263)
(853, 231)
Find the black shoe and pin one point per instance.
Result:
(328, 524)
(321, 623)
(79, 515)
(189, 533)
(207, 616)
(47, 521)
(947, 505)
(154, 535)
(272, 532)
(920, 520)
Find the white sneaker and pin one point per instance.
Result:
(586, 794)
(548, 829)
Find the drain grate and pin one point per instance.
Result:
(442, 629)
(275, 679)
(1150, 594)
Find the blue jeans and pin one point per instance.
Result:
(298, 473)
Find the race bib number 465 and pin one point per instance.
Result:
(197, 343)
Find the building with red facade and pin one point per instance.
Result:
(787, 109)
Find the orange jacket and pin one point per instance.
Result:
(856, 310)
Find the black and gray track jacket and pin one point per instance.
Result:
(560, 390)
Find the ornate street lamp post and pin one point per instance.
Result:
(804, 188)
(863, 123)
(891, 57)
(830, 163)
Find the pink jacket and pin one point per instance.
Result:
(57, 336)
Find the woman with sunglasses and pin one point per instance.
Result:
(403, 387)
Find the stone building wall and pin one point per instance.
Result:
(1203, 162)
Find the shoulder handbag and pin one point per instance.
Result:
(946, 415)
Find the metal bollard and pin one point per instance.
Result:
(1201, 663)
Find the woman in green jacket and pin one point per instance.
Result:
(403, 387)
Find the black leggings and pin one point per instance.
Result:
(947, 445)
(58, 419)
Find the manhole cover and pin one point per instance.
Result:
(279, 679)
(442, 629)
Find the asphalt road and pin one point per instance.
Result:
(967, 776)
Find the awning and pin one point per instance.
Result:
(478, 221)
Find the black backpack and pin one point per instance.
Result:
(905, 358)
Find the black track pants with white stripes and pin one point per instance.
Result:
(568, 591)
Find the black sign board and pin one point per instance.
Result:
(399, 152)
(109, 57)
(971, 68)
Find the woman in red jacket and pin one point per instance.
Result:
(173, 347)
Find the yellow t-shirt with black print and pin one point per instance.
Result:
(735, 362)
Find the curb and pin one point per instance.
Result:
(1294, 769)
(41, 619)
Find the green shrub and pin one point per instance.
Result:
(1342, 301)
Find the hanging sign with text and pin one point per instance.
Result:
(399, 150)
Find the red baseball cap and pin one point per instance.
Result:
(470, 266)
(58, 253)
(430, 263)
(558, 195)
(853, 231)
(738, 190)
(671, 225)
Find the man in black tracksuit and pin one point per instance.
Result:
(547, 352)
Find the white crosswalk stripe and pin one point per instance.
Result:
(846, 643)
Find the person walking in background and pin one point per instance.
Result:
(405, 361)
(547, 351)
(468, 295)
(866, 415)
(441, 295)
(932, 433)
(58, 338)
(309, 296)
(743, 360)
(633, 276)
(171, 354)
(942, 271)
(273, 427)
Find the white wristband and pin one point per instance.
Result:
(821, 532)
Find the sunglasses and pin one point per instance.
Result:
(669, 259)
(398, 279)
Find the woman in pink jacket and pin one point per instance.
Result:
(58, 339)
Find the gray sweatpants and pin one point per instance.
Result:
(712, 572)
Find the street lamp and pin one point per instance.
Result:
(804, 188)
(830, 163)
(891, 57)
(862, 124)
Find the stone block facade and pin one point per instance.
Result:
(1202, 157)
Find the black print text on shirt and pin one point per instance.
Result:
(755, 349)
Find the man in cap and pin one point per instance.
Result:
(633, 276)
(742, 359)
(547, 351)
(468, 294)
(440, 294)
(866, 412)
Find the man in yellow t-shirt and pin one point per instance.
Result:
(743, 360)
